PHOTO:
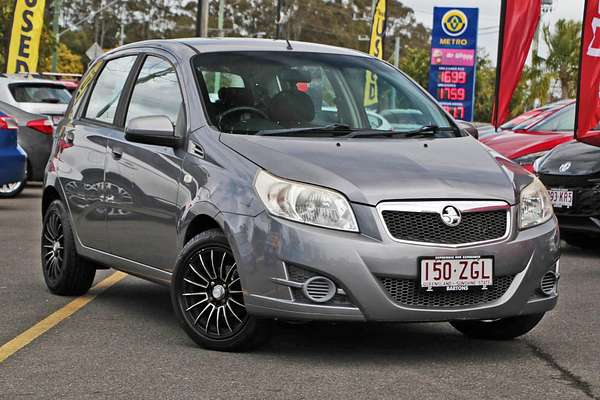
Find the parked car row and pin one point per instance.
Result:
(541, 141)
(34, 107)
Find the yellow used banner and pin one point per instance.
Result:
(27, 27)
(375, 49)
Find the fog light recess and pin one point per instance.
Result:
(548, 283)
(319, 289)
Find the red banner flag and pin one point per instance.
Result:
(518, 23)
(588, 91)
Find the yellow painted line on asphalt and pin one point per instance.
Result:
(16, 344)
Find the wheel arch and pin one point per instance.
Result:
(199, 224)
(50, 194)
(201, 217)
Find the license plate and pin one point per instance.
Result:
(561, 198)
(56, 119)
(456, 273)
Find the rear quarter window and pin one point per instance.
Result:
(105, 96)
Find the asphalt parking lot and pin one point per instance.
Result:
(126, 343)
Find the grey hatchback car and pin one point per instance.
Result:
(245, 175)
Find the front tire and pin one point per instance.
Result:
(65, 273)
(207, 296)
(500, 329)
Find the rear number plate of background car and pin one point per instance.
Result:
(561, 198)
(56, 119)
(456, 273)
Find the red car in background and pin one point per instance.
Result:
(532, 116)
(536, 136)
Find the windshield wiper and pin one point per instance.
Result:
(426, 130)
(343, 130)
(335, 129)
(429, 130)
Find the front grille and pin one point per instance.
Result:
(428, 227)
(408, 292)
(299, 275)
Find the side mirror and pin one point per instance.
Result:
(157, 130)
(470, 128)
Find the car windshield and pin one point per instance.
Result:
(39, 93)
(293, 93)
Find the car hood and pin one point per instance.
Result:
(44, 108)
(370, 171)
(572, 158)
(514, 145)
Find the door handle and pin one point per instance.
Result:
(117, 153)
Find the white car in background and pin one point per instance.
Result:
(34, 95)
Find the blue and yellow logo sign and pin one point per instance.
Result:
(455, 23)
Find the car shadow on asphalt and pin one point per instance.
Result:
(340, 342)
(569, 250)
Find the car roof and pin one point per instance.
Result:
(215, 45)
(26, 78)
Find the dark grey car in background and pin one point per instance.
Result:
(208, 165)
(571, 173)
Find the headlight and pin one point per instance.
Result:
(535, 206)
(304, 203)
(530, 158)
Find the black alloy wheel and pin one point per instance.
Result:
(53, 247)
(208, 298)
(65, 272)
(212, 293)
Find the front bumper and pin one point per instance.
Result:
(265, 245)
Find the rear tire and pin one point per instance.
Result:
(207, 297)
(501, 329)
(65, 272)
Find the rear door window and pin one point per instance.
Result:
(39, 93)
(105, 96)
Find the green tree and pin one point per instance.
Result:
(68, 62)
(6, 12)
(414, 61)
(485, 87)
(563, 57)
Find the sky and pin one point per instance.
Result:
(489, 16)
